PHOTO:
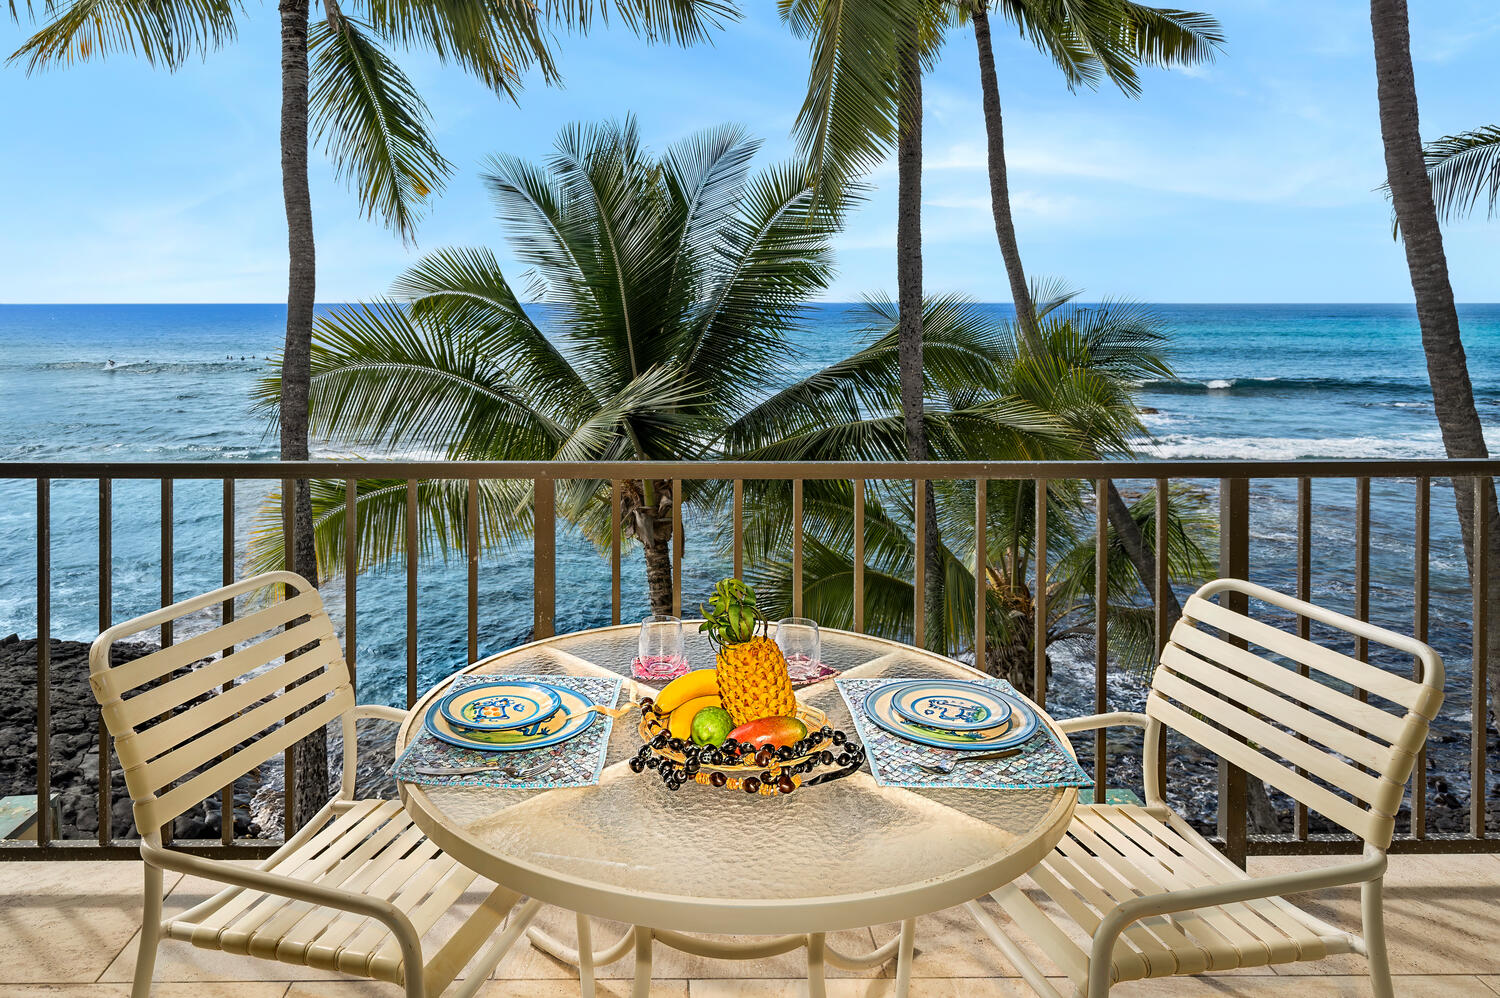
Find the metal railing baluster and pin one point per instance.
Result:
(44, 829)
(738, 516)
(859, 555)
(1234, 563)
(471, 551)
(1300, 819)
(1479, 713)
(797, 547)
(226, 615)
(351, 576)
(615, 540)
(1101, 633)
(413, 554)
(544, 560)
(1420, 573)
(678, 544)
(1160, 591)
(1039, 598)
(106, 620)
(919, 576)
(981, 571)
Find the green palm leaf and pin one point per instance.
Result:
(163, 32)
(373, 124)
(1464, 168)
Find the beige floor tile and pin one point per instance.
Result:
(233, 989)
(494, 989)
(1493, 983)
(526, 962)
(1440, 986)
(1442, 915)
(64, 922)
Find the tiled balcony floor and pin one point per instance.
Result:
(68, 930)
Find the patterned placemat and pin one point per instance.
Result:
(1042, 764)
(576, 762)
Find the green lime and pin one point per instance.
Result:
(712, 725)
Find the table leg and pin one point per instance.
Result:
(815, 985)
(585, 956)
(904, 957)
(642, 988)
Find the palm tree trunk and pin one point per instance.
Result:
(909, 303)
(1010, 251)
(310, 756)
(1005, 229)
(647, 508)
(1447, 366)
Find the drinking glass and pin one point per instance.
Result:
(797, 637)
(662, 653)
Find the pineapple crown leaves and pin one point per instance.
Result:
(730, 617)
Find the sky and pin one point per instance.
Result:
(1252, 179)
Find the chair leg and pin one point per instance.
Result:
(585, 957)
(145, 960)
(904, 957)
(642, 986)
(1373, 917)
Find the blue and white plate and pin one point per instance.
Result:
(950, 705)
(572, 718)
(503, 705)
(1021, 725)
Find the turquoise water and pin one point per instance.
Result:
(165, 382)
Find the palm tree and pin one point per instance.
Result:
(338, 76)
(667, 286)
(1087, 41)
(992, 392)
(864, 96)
(1417, 216)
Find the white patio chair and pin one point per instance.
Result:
(1155, 897)
(356, 888)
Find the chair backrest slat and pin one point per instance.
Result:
(179, 741)
(153, 702)
(185, 795)
(148, 743)
(147, 668)
(1344, 757)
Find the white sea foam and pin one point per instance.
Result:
(1184, 446)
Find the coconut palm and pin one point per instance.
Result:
(665, 286)
(992, 392)
(337, 73)
(1417, 215)
(865, 97)
(1088, 42)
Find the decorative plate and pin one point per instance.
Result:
(950, 705)
(1022, 725)
(503, 705)
(573, 717)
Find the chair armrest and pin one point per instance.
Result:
(1093, 721)
(282, 886)
(379, 712)
(1170, 902)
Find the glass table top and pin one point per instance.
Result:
(631, 837)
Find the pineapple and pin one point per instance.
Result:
(753, 682)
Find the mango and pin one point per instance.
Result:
(773, 731)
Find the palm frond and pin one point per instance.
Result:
(373, 124)
(495, 41)
(682, 21)
(1464, 168)
(163, 32)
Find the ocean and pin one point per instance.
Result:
(172, 382)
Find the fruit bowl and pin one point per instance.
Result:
(768, 770)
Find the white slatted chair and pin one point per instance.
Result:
(357, 888)
(1155, 898)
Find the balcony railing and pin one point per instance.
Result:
(1233, 482)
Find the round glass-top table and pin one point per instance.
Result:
(836, 856)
